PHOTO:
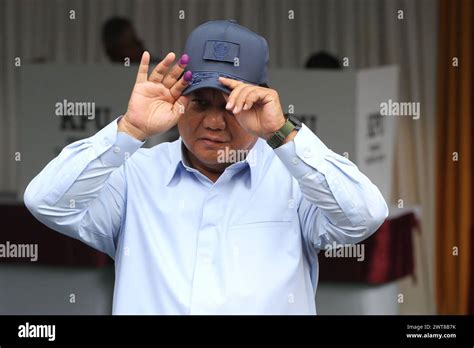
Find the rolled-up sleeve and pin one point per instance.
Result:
(339, 203)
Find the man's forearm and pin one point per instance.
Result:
(345, 196)
(77, 175)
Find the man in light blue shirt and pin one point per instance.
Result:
(229, 218)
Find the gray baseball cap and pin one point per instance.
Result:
(225, 48)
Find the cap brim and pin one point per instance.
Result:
(208, 83)
(210, 80)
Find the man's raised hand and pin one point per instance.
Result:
(156, 102)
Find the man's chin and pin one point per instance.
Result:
(214, 155)
(214, 160)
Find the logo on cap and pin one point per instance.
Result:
(221, 49)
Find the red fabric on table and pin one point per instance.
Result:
(388, 256)
(388, 253)
(20, 227)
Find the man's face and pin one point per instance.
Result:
(207, 128)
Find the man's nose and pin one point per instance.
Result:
(214, 119)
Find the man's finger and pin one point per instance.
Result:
(173, 75)
(181, 84)
(142, 75)
(252, 97)
(161, 68)
(231, 83)
(233, 96)
(225, 96)
(241, 98)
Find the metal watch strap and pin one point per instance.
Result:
(280, 135)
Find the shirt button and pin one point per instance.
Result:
(106, 141)
(307, 152)
(295, 160)
(116, 149)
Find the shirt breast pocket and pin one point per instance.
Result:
(262, 255)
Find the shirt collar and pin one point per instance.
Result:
(177, 159)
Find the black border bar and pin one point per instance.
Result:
(137, 330)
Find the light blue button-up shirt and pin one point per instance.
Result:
(246, 244)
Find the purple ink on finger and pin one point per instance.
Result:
(184, 59)
(188, 76)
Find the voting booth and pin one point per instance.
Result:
(60, 104)
(343, 109)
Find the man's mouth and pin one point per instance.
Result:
(212, 141)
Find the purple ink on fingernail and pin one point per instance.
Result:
(184, 59)
(188, 76)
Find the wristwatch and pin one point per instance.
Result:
(291, 124)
